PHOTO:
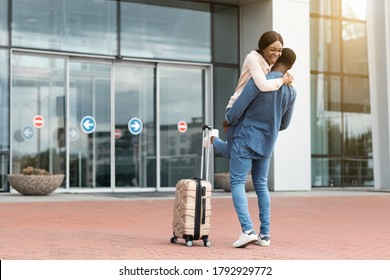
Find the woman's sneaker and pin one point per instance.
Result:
(245, 239)
(264, 241)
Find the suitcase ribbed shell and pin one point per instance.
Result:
(184, 208)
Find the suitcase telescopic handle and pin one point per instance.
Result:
(206, 132)
(204, 127)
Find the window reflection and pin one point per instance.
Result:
(328, 88)
(4, 136)
(326, 172)
(326, 115)
(341, 121)
(355, 56)
(358, 171)
(328, 137)
(166, 32)
(356, 95)
(325, 7)
(357, 134)
(4, 97)
(3, 22)
(225, 81)
(180, 152)
(355, 9)
(38, 90)
(89, 95)
(85, 26)
(225, 25)
(135, 155)
(325, 45)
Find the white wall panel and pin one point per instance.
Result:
(378, 36)
(292, 156)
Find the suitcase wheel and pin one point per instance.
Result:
(206, 242)
(189, 243)
(188, 240)
(174, 240)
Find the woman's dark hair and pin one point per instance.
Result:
(268, 38)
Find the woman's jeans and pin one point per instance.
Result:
(241, 160)
(223, 147)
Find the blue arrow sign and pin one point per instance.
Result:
(88, 124)
(135, 126)
(28, 132)
(73, 133)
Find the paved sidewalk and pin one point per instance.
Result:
(314, 225)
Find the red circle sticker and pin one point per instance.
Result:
(38, 121)
(182, 126)
(118, 133)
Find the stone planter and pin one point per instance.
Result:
(35, 184)
(223, 181)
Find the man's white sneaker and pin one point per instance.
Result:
(264, 241)
(206, 141)
(245, 239)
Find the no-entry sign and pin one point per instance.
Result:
(118, 133)
(38, 121)
(182, 126)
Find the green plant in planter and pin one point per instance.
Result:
(35, 181)
(29, 170)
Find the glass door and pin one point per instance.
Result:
(89, 124)
(182, 92)
(38, 112)
(135, 125)
(4, 118)
(108, 125)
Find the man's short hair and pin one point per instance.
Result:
(287, 58)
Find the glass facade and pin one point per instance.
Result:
(225, 28)
(226, 68)
(171, 30)
(80, 26)
(83, 71)
(341, 120)
(89, 96)
(3, 22)
(223, 85)
(180, 152)
(4, 96)
(135, 155)
(37, 113)
(90, 68)
(4, 117)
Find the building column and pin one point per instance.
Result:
(291, 162)
(378, 38)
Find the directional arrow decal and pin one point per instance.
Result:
(135, 126)
(88, 124)
(28, 133)
(73, 133)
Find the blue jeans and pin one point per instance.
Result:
(241, 160)
(221, 146)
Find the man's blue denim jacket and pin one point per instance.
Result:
(258, 116)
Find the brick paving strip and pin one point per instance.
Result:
(348, 227)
